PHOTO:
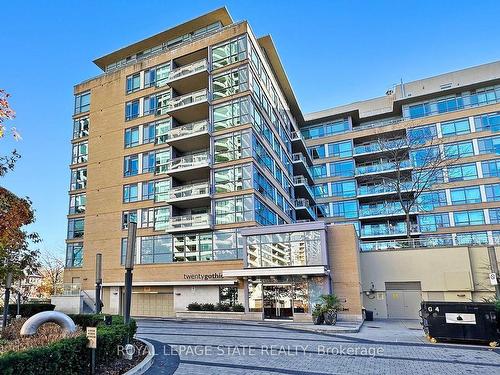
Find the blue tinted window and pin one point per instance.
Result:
(342, 168)
(455, 127)
(344, 189)
(346, 209)
(491, 168)
(492, 192)
(464, 218)
(490, 145)
(465, 195)
(340, 149)
(462, 172)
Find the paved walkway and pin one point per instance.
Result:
(236, 348)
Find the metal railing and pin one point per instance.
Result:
(188, 99)
(373, 168)
(387, 230)
(397, 244)
(383, 145)
(187, 70)
(192, 128)
(298, 157)
(381, 188)
(378, 124)
(189, 191)
(189, 221)
(302, 203)
(189, 161)
(70, 289)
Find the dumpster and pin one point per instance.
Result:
(475, 322)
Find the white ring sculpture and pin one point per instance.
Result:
(30, 327)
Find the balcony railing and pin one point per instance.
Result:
(388, 230)
(374, 168)
(389, 209)
(380, 146)
(298, 157)
(187, 100)
(381, 188)
(189, 161)
(186, 130)
(187, 70)
(189, 191)
(189, 222)
(301, 180)
(378, 124)
(302, 203)
(69, 289)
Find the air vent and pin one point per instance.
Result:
(445, 86)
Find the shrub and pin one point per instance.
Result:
(70, 356)
(194, 306)
(29, 309)
(222, 307)
(238, 307)
(207, 307)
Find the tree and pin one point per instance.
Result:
(52, 271)
(7, 162)
(419, 163)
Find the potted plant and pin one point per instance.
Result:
(317, 314)
(330, 306)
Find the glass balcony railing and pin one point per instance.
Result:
(380, 146)
(412, 243)
(301, 180)
(381, 188)
(189, 222)
(374, 168)
(69, 289)
(298, 157)
(187, 100)
(189, 191)
(187, 70)
(186, 130)
(302, 203)
(388, 208)
(387, 230)
(189, 161)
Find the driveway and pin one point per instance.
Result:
(381, 347)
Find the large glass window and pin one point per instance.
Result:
(230, 83)
(81, 127)
(156, 249)
(130, 193)
(492, 192)
(432, 222)
(465, 195)
(132, 109)
(464, 218)
(345, 209)
(490, 121)
(162, 189)
(233, 178)
(342, 168)
(490, 145)
(77, 203)
(344, 189)
(455, 127)
(148, 162)
(319, 171)
(340, 149)
(227, 244)
(422, 134)
(80, 153)
(148, 190)
(317, 152)
(458, 150)
(128, 217)
(228, 295)
(162, 215)
(162, 159)
(462, 172)
(74, 255)
(162, 128)
(131, 137)
(75, 228)
(229, 52)
(265, 215)
(233, 147)
(323, 130)
(425, 156)
(82, 102)
(133, 82)
(491, 168)
(494, 215)
(78, 178)
(472, 238)
(131, 165)
(234, 210)
(233, 113)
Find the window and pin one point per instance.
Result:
(162, 215)
(462, 172)
(490, 145)
(229, 52)
(340, 149)
(345, 209)
(492, 192)
(157, 76)
(75, 228)
(432, 222)
(148, 190)
(156, 249)
(323, 130)
(133, 82)
(491, 168)
(488, 122)
(233, 113)
(425, 156)
(422, 134)
(162, 189)
(227, 244)
(321, 190)
(232, 147)
(131, 137)
(148, 133)
(234, 209)
(131, 165)
(466, 195)
(82, 102)
(77, 203)
(80, 153)
(130, 193)
(458, 150)
(456, 127)
(464, 218)
(78, 178)
(233, 178)
(494, 215)
(81, 127)
(317, 152)
(319, 170)
(162, 128)
(342, 168)
(74, 255)
(230, 83)
(132, 109)
(228, 295)
(158, 103)
(127, 217)
(472, 238)
(344, 189)
(162, 159)
(264, 186)
(147, 218)
(264, 215)
(419, 110)
(148, 162)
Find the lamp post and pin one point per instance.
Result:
(18, 300)
(8, 284)
(98, 282)
(129, 266)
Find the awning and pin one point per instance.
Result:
(174, 283)
(277, 271)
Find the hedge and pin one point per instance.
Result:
(29, 309)
(70, 356)
(195, 306)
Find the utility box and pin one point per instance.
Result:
(476, 322)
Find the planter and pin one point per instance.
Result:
(317, 320)
(330, 317)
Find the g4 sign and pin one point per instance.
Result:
(493, 278)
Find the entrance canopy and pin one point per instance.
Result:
(277, 271)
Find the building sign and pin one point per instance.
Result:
(493, 279)
(203, 276)
(92, 337)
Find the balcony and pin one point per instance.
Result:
(189, 223)
(383, 145)
(381, 189)
(399, 229)
(190, 77)
(190, 167)
(382, 210)
(192, 136)
(303, 210)
(189, 196)
(189, 107)
(382, 167)
(301, 167)
(302, 188)
(299, 145)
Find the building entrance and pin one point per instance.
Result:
(278, 301)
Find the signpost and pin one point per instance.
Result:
(92, 344)
(8, 284)
(98, 283)
(129, 266)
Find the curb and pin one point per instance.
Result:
(146, 363)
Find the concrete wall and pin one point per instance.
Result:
(67, 304)
(184, 295)
(445, 274)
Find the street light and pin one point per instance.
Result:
(129, 266)
(8, 284)
(98, 282)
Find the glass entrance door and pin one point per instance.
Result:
(278, 301)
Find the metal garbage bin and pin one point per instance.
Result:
(369, 316)
(476, 322)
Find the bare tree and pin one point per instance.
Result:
(418, 164)
(52, 272)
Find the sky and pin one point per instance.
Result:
(334, 52)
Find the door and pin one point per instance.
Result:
(278, 302)
(403, 300)
(153, 302)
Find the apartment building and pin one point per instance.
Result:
(195, 134)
